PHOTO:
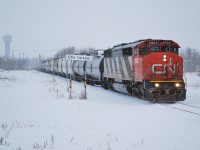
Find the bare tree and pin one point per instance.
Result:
(13, 64)
(64, 51)
(87, 51)
(191, 59)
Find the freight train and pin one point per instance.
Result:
(148, 69)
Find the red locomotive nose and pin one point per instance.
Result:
(162, 66)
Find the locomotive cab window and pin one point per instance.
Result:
(143, 50)
(165, 49)
(155, 49)
(127, 51)
(135, 51)
(107, 53)
(174, 49)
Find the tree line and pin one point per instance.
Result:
(26, 63)
(190, 56)
(72, 50)
(191, 59)
(13, 64)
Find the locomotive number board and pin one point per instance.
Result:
(166, 43)
(153, 42)
(159, 42)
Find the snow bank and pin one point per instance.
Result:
(37, 113)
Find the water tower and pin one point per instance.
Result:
(7, 40)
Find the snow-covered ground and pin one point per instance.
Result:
(36, 113)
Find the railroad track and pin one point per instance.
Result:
(189, 105)
(184, 107)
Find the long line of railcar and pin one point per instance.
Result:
(150, 69)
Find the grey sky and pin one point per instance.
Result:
(50, 25)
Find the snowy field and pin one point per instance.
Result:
(36, 113)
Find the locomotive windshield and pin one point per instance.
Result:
(145, 49)
(155, 49)
(165, 48)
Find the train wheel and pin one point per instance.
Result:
(138, 92)
(154, 101)
(92, 83)
(110, 85)
(140, 95)
(104, 85)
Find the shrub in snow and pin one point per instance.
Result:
(1, 140)
(45, 145)
(4, 127)
(19, 148)
(4, 142)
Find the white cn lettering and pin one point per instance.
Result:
(157, 72)
(71, 57)
(171, 68)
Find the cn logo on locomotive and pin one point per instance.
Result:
(164, 68)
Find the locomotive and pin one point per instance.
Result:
(149, 69)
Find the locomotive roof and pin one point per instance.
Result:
(131, 44)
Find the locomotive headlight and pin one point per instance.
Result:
(177, 85)
(164, 58)
(157, 85)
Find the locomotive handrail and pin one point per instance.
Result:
(147, 72)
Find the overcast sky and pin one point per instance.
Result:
(45, 26)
